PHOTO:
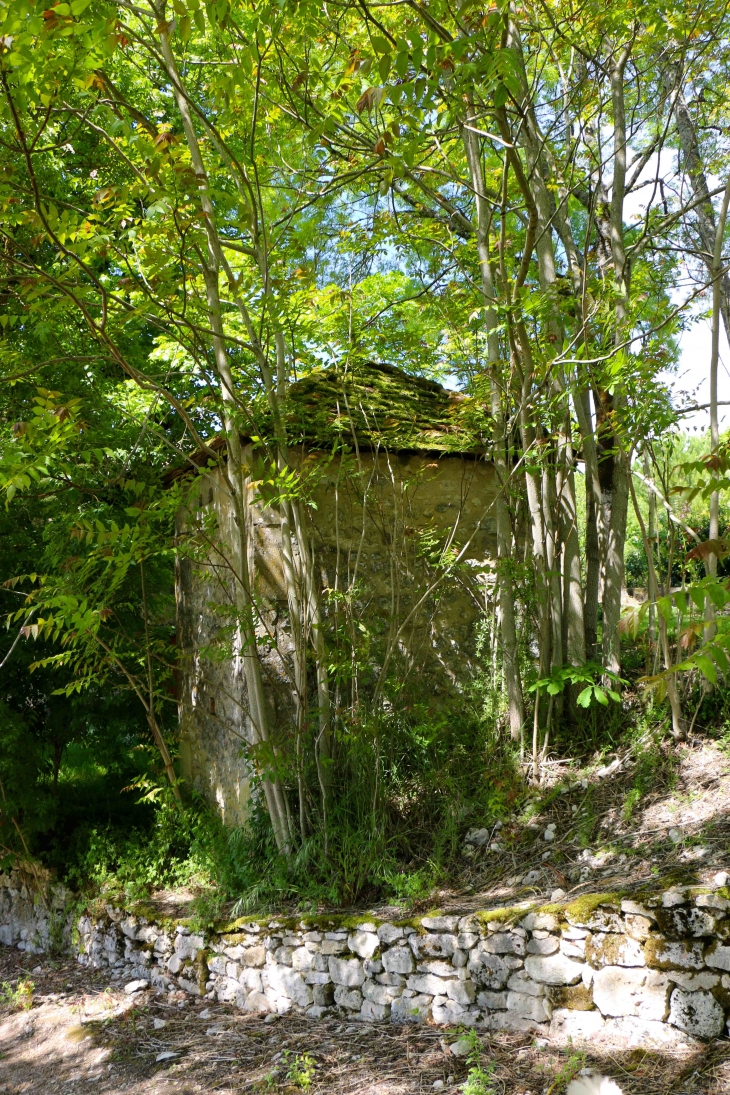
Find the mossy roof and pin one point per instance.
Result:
(380, 405)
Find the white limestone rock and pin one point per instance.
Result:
(411, 1009)
(697, 1013)
(348, 998)
(389, 934)
(554, 969)
(364, 944)
(440, 923)
(398, 960)
(287, 983)
(537, 1008)
(574, 1026)
(547, 945)
(718, 957)
(346, 971)
(623, 991)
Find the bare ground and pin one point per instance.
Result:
(81, 1036)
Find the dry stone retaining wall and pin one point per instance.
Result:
(650, 970)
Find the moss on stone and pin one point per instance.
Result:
(503, 915)
(384, 407)
(582, 908)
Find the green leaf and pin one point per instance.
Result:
(584, 698)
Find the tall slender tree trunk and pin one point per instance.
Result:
(235, 471)
(513, 683)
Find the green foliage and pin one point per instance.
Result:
(18, 995)
(480, 1079)
(300, 1069)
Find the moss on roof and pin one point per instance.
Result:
(383, 406)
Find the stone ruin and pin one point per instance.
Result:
(403, 471)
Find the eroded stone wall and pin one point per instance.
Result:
(649, 970)
(373, 523)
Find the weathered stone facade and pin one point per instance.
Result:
(375, 521)
(652, 970)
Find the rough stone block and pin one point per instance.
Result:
(313, 977)
(466, 940)
(389, 933)
(553, 969)
(393, 979)
(372, 1012)
(541, 921)
(693, 982)
(440, 923)
(521, 982)
(537, 1008)
(622, 991)
(258, 1002)
(437, 966)
(509, 1020)
(663, 955)
(575, 997)
(633, 1033)
(411, 1009)
(348, 998)
(461, 992)
(378, 994)
(718, 957)
(333, 946)
(346, 971)
(447, 1012)
(703, 900)
(449, 944)
(603, 949)
(488, 970)
(549, 944)
(504, 943)
(254, 957)
(427, 983)
(288, 983)
(398, 960)
(697, 1013)
(575, 1026)
(364, 944)
(493, 1001)
(251, 980)
(302, 959)
(684, 921)
(573, 948)
(603, 918)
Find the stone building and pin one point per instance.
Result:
(400, 502)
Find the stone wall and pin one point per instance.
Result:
(649, 970)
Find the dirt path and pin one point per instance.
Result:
(81, 1036)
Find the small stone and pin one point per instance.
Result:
(166, 1055)
(159, 1024)
(675, 836)
(557, 895)
(136, 986)
(721, 879)
(549, 835)
(461, 1047)
(531, 878)
(438, 1085)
